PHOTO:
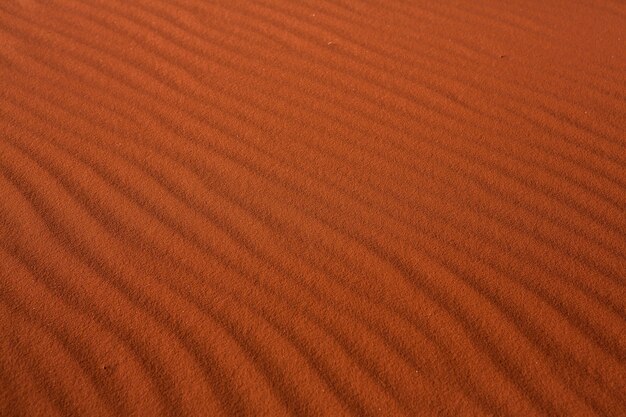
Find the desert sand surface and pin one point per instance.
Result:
(312, 208)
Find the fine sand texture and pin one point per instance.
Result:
(312, 208)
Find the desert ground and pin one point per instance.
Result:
(312, 208)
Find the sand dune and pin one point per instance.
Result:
(312, 208)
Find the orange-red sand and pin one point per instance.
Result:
(312, 208)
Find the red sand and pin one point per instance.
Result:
(313, 208)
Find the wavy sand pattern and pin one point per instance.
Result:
(312, 208)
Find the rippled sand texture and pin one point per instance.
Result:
(312, 208)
